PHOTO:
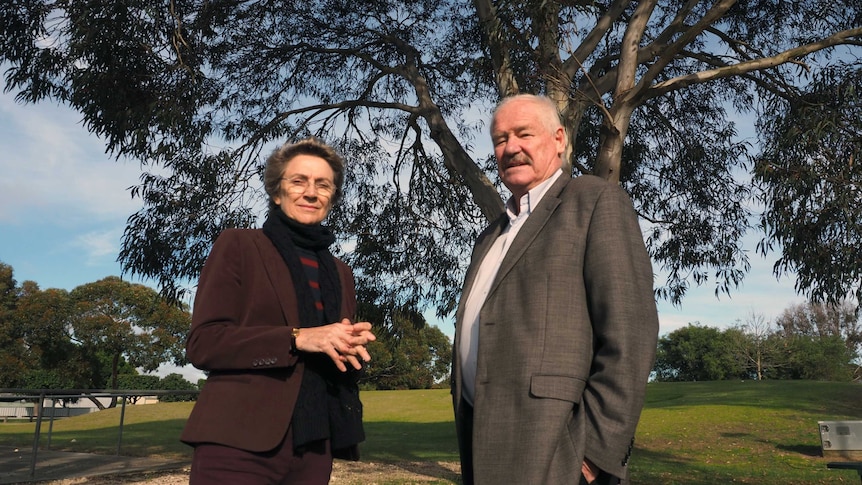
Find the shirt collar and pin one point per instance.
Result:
(531, 199)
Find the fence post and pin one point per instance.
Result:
(50, 424)
(38, 409)
(122, 419)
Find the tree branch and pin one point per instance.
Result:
(839, 38)
(499, 50)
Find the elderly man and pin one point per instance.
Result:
(556, 329)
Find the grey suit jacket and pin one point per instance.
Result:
(567, 340)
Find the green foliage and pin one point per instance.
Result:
(86, 339)
(820, 341)
(49, 357)
(408, 353)
(823, 319)
(645, 103)
(820, 358)
(135, 382)
(176, 382)
(8, 291)
(812, 182)
(12, 349)
(812, 341)
(697, 353)
(128, 321)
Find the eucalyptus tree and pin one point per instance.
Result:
(812, 182)
(198, 91)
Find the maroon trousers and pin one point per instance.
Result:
(214, 464)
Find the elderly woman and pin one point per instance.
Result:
(272, 327)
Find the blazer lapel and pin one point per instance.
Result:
(279, 277)
(531, 229)
(483, 245)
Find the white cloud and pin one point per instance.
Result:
(52, 168)
(98, 245)
(189, 372)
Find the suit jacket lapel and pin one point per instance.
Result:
(279, 277)
(531, 229)
(483, 245)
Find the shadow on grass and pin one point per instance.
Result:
(156, 439)
(398, 441)
(805, 450)
(665, 468)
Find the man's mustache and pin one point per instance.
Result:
(515, 160)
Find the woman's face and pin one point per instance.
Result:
(307, 186)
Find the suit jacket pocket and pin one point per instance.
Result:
(565, 388)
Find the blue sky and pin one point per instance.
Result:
(64, 204)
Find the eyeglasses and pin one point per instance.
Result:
(299, 185)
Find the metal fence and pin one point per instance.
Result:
(34, 400)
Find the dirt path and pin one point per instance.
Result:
(344, 473)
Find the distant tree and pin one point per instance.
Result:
(408, 354)
(176, 382)
(138, 382)
(196, 90)
(816, 357)
(697, 353)
(13, 363)
(86, 339)
(810, 335)
(822, 320)
(755, 346)
(55, 360)
(128, 321)
(8, 291)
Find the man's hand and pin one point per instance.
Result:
(589, 471)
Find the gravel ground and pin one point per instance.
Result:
(344, 473)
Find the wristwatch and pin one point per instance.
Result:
(293, 334)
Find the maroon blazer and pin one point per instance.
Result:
(244, 311)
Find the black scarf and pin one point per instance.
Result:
(323, 386)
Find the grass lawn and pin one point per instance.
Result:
(702, 433)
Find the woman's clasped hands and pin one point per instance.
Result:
(344, 342)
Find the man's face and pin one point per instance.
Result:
(528, 151)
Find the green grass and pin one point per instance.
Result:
(690, 433)
(703, 433)
(409, 426)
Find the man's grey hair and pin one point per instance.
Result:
(550, 114)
